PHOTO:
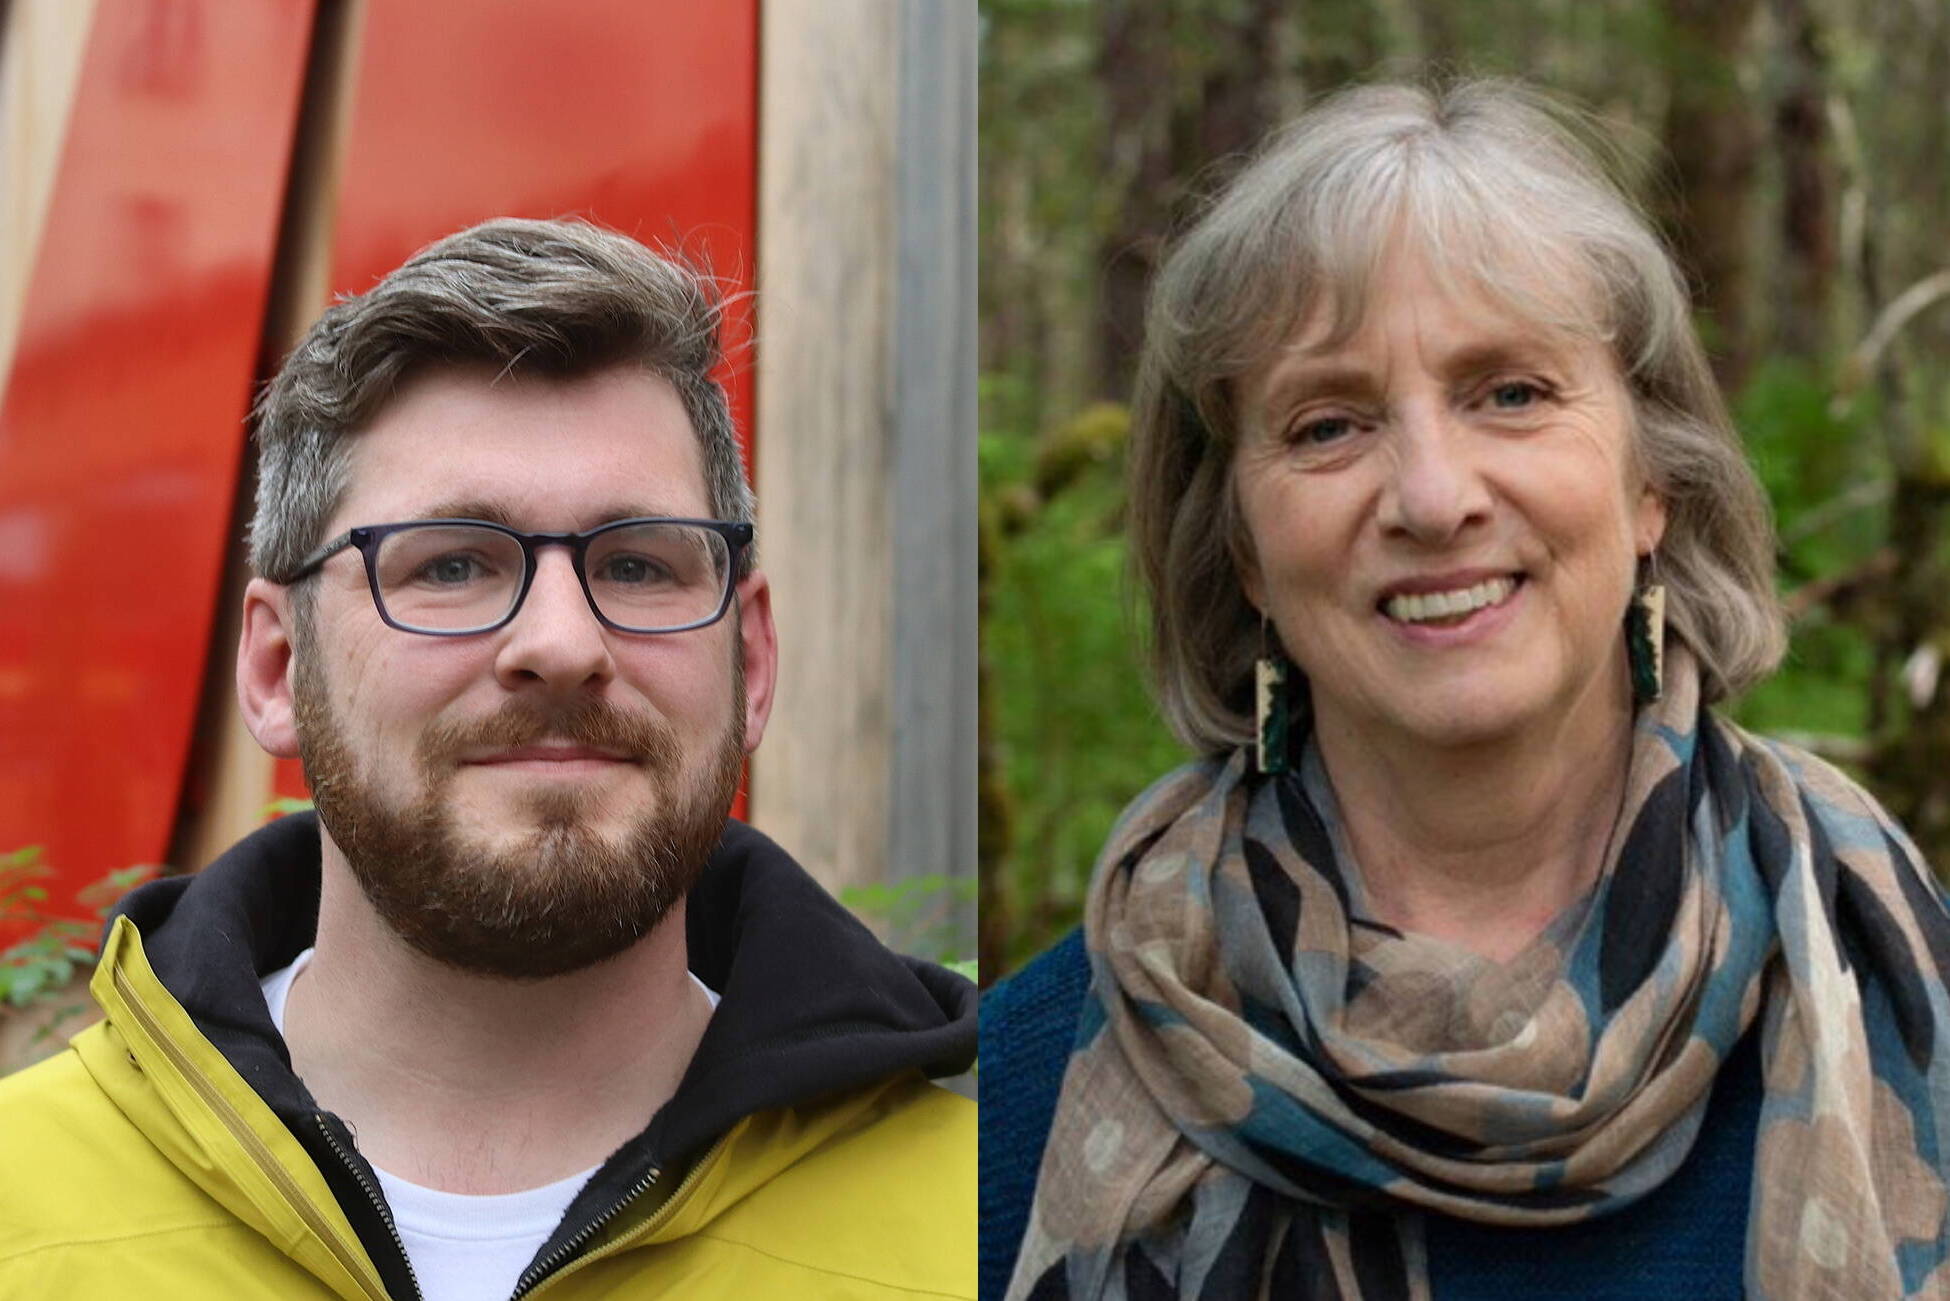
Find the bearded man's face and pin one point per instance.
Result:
(530, 800)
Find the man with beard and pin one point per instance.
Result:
(518, 1011)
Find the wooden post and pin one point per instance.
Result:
(933, 355)
(866, 435)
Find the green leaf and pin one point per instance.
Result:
(25, 985)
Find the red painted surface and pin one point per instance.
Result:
(121, 422)
(641, 116)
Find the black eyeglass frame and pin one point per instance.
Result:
(366, 538)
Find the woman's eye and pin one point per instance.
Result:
(1327, 429)
(1515, 395)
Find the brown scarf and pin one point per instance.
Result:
(1264, 1098)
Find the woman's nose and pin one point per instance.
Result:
(1435, 489)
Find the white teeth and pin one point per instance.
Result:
(1427, 606)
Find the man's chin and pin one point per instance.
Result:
(519, 825)
(540, 900)
(523, 879)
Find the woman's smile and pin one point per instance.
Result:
(1451, 611)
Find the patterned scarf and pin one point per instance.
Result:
(1263, 1097)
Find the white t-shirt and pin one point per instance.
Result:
(463, 1246)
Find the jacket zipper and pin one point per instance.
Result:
(535, 1277)
(536, 1273)
(274, 1169)
(247, 1138)
(373, 1196)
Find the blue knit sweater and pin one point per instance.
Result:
(1687, 1239)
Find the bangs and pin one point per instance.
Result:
(1511, 244)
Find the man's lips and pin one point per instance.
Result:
(584, 737)
(549, 754)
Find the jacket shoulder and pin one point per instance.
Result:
(78, 1172)
(878, 1205)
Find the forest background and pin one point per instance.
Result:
(1794, 152)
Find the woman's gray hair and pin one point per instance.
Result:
(1507, 193)
(559, 299)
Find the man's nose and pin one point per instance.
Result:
(1435, 488)
(555, 638)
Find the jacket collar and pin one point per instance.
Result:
(812, 1004)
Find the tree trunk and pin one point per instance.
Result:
(1134, 69)
(1712, 138)
(1910, 718)
(1805, 288)
(995, 830)
(1178, 101)
(1914, 752)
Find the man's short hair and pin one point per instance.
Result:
(556, 299)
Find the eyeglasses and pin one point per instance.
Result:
(454, 577)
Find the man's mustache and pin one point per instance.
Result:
(585, 722)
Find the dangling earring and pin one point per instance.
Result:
(1645, 637)
(1271, 717)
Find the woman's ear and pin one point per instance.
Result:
(1253, 586)
(264, 666)
(1245, 556)
(1649, 522)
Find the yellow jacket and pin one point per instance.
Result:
(141, 1164)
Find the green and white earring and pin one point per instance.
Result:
(1645, 637)
(1272, 716)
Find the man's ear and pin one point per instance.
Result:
(264, 667)
(759, 650)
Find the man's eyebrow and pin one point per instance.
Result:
(494, 513)
(469, 508)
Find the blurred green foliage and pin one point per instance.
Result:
(918, 915)
(54, 948)
(1076, 731)
(1827, 476)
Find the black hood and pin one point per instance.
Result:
(811, 1002)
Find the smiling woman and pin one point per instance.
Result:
(1479, 952)
(1444, 535)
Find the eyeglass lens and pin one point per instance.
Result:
(645, 577)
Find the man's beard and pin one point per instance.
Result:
(561, 899)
